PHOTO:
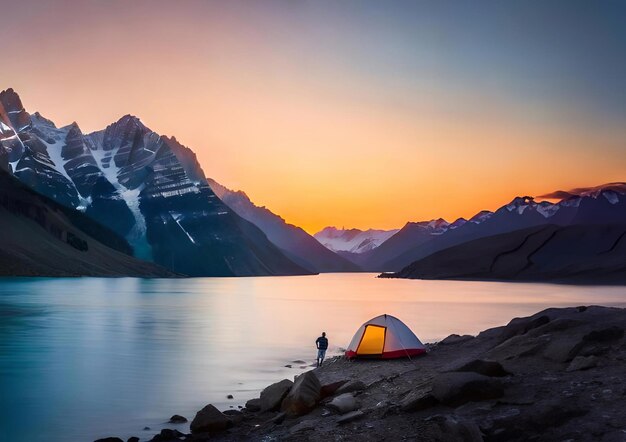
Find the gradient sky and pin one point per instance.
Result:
(357, 114)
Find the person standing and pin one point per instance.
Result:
(322, 344)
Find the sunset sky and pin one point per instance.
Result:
(357, 114)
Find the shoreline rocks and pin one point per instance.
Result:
(556, 375)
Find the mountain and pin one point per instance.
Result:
(601, 205)
(294, 241)
(591, 253)
(43, 238)
(352, 240)
(137, 182)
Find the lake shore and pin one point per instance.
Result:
(556, 375)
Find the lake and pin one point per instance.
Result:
(91, 357)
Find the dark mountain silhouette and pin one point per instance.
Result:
(593, 253)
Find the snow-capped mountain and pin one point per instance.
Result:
(131, 179)
(352, 240)
(595, 205)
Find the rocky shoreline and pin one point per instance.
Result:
(557, 375)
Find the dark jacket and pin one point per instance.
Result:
(322, 343)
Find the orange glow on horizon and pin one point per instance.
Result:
(320, 138)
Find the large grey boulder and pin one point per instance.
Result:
(272, 396)
(343, 403)
(210, 420)
(303, 396)
(458, 388)
(563, 348)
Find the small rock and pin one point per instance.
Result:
(146, 428)
(253, 405)
(272, 396)
(177, 419)
(331, 389)
(167, 435)
(289, 366)
(210, 420)
(110, 439)
(299, 361)
(303, 426)
(582, 363)
(230, 396)
(461, 387)
(235, 416)
(132, 439)
(350, 387)
(303, 396)
(349, 417)
(343, 403)
(418, 400)
(486, 368)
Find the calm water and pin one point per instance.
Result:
(87, 358)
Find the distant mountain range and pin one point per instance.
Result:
(600, 205)
(353, 240)
(144, 186)
(158, 205)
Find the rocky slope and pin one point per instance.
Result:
(141, 185)
(554, 376)
(574, 254)
(43, 238)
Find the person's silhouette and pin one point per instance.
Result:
(322, 344)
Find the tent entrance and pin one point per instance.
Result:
(372, 341)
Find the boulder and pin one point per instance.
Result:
(455, 339)
(350, 387)
(272, 396)
(517, 347)
(235, 416)
(177, 419)
(582, 363)
(168, 435)
(458, 388)
(331, 389)
(303, 396)
(349, 417)
(486, 368)
(563, 348)
(110, 439)
(418, 400)
(210, 420)
(520, 326)
(343, 403)
(253, 405)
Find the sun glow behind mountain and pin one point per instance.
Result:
(356, 114)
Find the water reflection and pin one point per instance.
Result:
(86, 358)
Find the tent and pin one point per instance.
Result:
(384, 337)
